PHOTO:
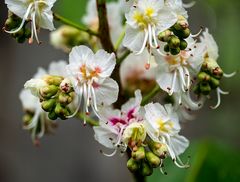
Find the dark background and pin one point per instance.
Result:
(72, 154)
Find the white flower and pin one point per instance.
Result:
(174, 73)
(90, 74)
(30, 100)
(211, 53)
(38, 11)
(114, 18)
(144, 22)
(117, 126)
(162, 126)
(132, 70)
(177, 6)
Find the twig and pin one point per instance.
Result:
(150, 95)
(75, 25)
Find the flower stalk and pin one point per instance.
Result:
(65, 21)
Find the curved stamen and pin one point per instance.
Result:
(183, 166)
(229, 75)
(109, 155)
(34, 120)
(189, 5)
(150, 36)
(85, 95)
(197, 34)
(80, 92)
(219, 92)
(34, 27)
(23, 20)
(182, 77)
(173, 83)
(42, 122)
(144, 43)
(94, 100)
(161, 168)
(187, 74)
(190, 103)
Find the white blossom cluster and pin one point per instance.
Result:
(163, 53)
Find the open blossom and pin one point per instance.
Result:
(162, 125)
(178, 7)
(30, 101)
(174, 73)
(38, 11)
(90, 74)
(120, 128)
(114, 18)
(210, 61)
(144, 22)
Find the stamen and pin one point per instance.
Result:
(173, 83)
(144, 43)
(197, 34)
(34, 27)
(109, 155)
(182, 77)
(23, 20)
(219, 92)
(230, 75)
(80, 90)
(189, 5)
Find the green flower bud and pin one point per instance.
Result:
(52, 115)
(202, 76)
(214, 83)
(48, 91)
(20, 39)
(132, 165)
(158, 149)
(145, 169)
(27, 33)
(166, 48)
(183, 44)
(211, 66)
(177, 26)
(61, 111)
(27, 118)
(196, 89)
(175, 51)
(53, 80)
(48, 105)
(174, 42)
(153, 159)
(139, 154)
(164, 36)
(205, 88)
(183, 34)
(65, 99)
(20, 33)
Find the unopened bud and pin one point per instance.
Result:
(48, 105)
(145, 169)
(27, 119)
(158, 149)
(205, 88)
(48, 91)
(175, 51)
(53, 80)
(66, 85)
(202, 76)
(61, 111)
(52, 115)
(164, 36)
(153, 159)
(132, 165)
(65, 99)
(211, 66)
(139, 154)
(174, 42)
(183, 44)
(214, 83)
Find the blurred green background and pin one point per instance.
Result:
(214, 135)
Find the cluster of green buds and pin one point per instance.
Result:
(175, 36)
(12, 23)
(56, 97)
(209, 77)
(145, 158)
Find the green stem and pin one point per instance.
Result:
(150, 95)
(103, 29)
(75, 25)
(89, 120)
(120, 39)
(121, 59)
